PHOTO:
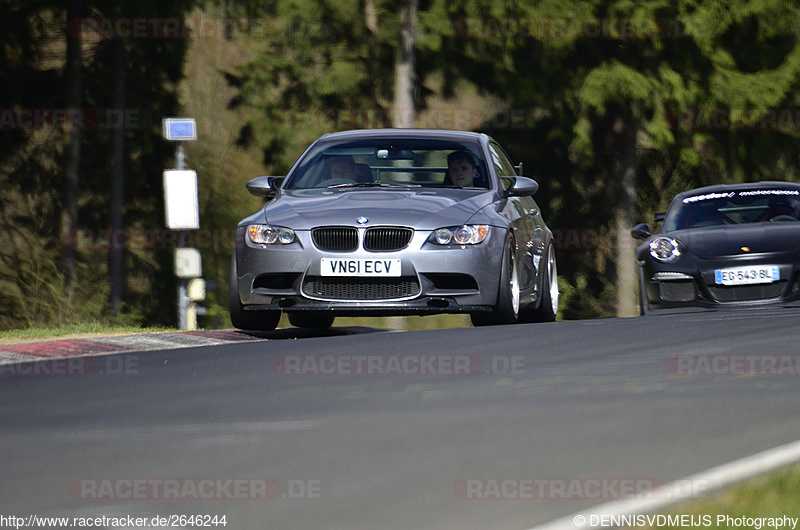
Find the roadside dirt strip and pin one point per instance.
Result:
(51, 350)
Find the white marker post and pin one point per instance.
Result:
(183, 213)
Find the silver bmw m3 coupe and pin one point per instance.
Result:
(395, 222)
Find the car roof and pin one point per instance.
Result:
(433, 134)
(722, 188)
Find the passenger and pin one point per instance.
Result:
(344, 167)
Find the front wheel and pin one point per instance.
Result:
(249, 320)
(644, 304)
(506, 310)
(548, 306)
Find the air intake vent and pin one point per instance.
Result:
(361, 288)
(335, 238)
(387, 239)
(741, 293)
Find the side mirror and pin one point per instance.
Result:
(521, 186)
(265, 186)
(641, 231)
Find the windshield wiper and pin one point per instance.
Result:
(373, 185)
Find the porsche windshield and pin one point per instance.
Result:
(395, 163)
(734, 207)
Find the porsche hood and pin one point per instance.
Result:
(717, 241)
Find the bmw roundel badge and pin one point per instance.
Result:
(362, 220)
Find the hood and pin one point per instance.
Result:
(728, 240)
(422, 209)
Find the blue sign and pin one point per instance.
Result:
(180, 129)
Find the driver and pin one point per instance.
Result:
(461, 169)
(783, 207)
(344, 167)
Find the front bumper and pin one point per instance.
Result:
(433, 279)
(691, 282)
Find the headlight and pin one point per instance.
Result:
(270, 235)
(665, 249)
(460, 235)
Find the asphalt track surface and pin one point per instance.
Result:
(585, 408)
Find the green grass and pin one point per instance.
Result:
(774, 495)
(100, 328)
(43, 333)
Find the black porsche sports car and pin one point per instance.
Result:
(723, 246)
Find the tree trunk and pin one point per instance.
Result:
(627, 279)
(72, 154)
(371, 22)
(117, 255)
(404, 72)
(404, 111)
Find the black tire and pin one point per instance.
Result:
(249, 320)
(506, 309)
(644, 304)
(548, 305)
(311, 319)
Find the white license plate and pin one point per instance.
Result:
(747, 275)
(360, 267)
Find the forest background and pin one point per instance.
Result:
(612, 106)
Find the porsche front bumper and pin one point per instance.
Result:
(693, 281)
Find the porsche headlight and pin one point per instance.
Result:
(460, 235)
(665, 249)
(270, 235)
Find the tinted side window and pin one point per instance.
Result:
(500, 160)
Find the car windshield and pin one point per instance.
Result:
(390, 164)
(734, 207)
